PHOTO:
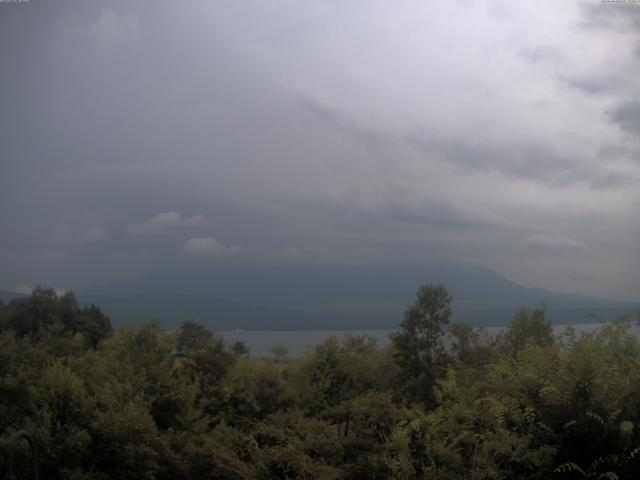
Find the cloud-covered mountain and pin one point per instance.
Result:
(317, 299)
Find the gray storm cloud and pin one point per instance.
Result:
(139, 135)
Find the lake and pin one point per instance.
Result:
(261, 342)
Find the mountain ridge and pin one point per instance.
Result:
(370, 297)
(225, 298)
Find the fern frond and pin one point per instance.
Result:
(570, 467)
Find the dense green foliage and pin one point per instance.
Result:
(437, 403)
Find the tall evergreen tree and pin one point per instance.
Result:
(419, 350)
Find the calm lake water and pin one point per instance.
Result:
(261, 342)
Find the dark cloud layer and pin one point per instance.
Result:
(136, 136)
(627, 116)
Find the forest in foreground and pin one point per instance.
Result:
(441, 401)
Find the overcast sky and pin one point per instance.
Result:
(142, 135)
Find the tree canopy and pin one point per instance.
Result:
(439, 402)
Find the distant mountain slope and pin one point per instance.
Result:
(311, 286)
(346, 298)
(173, 308)
(7, 296)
